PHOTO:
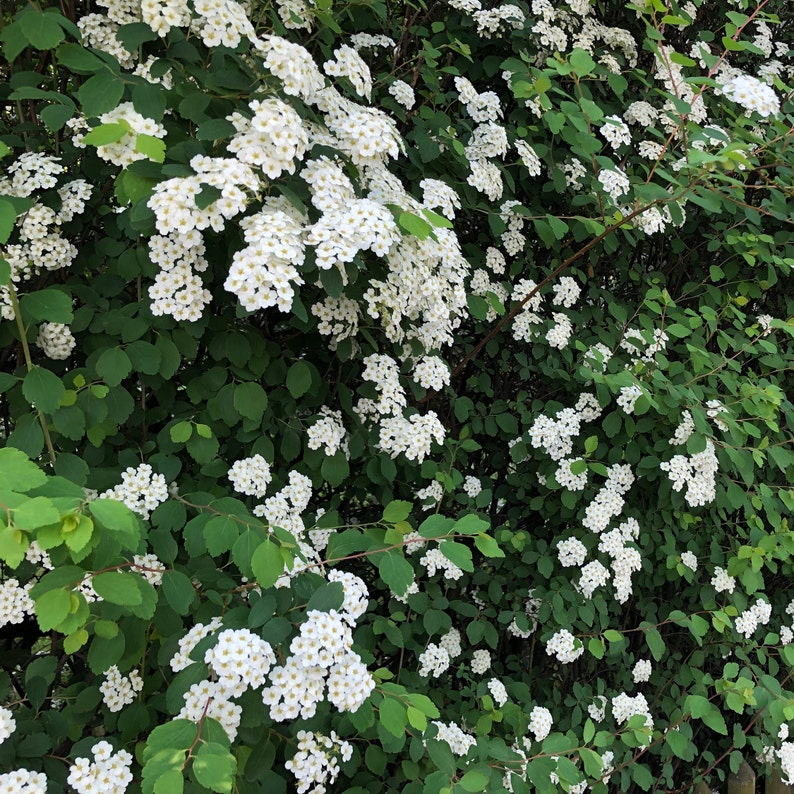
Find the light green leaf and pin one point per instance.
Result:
(117, 587)
(214, 767)
(267, 563)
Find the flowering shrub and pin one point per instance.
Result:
(395, 397)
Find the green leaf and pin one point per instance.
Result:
(220, 534)
(117, 517)
(34, 513)
(394, 569)
(18, 472)
(178, 734)
(458, 554)
(117, 587)
(13, 545)
(214, 767)
(215, 129)
(78, 59)
(52, 608)
(40, 29)
(582, 62)
(474, 780)
(414, 225)
(178, 591)
(328, 596)
(655, 643)
(113, 366)
(299, 379)
(150, 146)
(393, 716)
(471, 525)
(149, 100)
(397, 511)
(106, 133)
(250, 400)
(592, 763)
(8, 217)
(43, 389)
(181, 432)
(267, 563)
(47, 305)
(100, 94)
(488, 546)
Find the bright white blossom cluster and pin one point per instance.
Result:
(498, 692)
(480, 661)
(349, 64)
(250, 476)
(625, 707)
(752, 94)
(690, 560)
(316, 764)
(758, 614)
(564, 646)
(120, 690)
(109, 772)
(140, 489)
(149, 567)
(433, 661)
(434, 560)
(7, 724)
(327, 432)
(698, 472)
(15, 601)
(472, 486)
(430, 372)
(722, 582)
(23, 781)
(540, 722)
(609, 501)
(55, 340)
(641, 672)
(403, 93)
(628, 397)
(412, 437)
(458, 740)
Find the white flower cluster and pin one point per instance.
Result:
(41, 246)
(413, 437)
(251, 476)
(240, 660)
(451, 641)
(15, 601)
(528, 157)
(555, 436)
(626, 560)
(498, 692)
(690, 560)
(749, 620)
(108, 772)
(7, 724)
(433, 661)
(786, 757)
(23, 781)
(323, 648)
(124, 151)
(403, 93)
(458, 740)
(684, 430)
(698, 472)
(481, 285)
(430, 372)
(495, 260)
(564, 646)
(472, 486)
(356, 596)
(38, 556)
(55, 340)
(432, 493)
(571, 552)
(628, 397)
(616, 132)
(480, 662)
(567, 479)
(439, 195)
(625, 707)
(181, 658)
(348, 63)
(481, 107)
(284, 509)
(531, 608)
(540, 722)
(636, 344)
(149, 567)
(598, 709)
(641, 671)
(434, 561)
(609, 500)
(120, 690)
(614, 182)
(722, 582)
(385, 373)
(713, 410)
(316, 764)
(566, 292)
(140, 489)
(337, 318)
(327, 432)
(594, 575)
(752, 94)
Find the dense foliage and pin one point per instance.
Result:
(395, 397)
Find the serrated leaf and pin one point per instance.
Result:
(299, 379)
(267, 563)
(150, 146)
(52, 608)
(397, 511)
(457, 553)
(394, 569)
(393, 716)
(178, 591)
(474, 780)
(414, 225)
(488, 546)
(113, 366)
(34, 513)
(214, 767)
(220, 534)
(18, 472)
(43, 389)
(100, 94)
(47, 305)
(40, 29)
(471, 525)
(250, 400)
(117, 587)
(106, 133)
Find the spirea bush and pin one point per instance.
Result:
(395, 397)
